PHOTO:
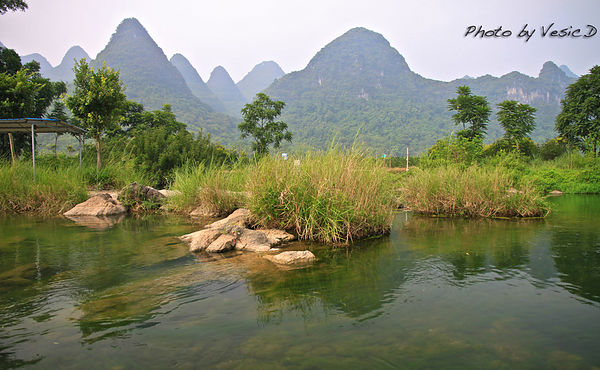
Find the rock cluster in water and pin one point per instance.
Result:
(232, 233)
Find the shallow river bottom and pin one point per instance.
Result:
(436, 293)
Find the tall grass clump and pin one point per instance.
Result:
(217, 189)
(54, 190)
(334, 197)
(471, 192)
(571, 173)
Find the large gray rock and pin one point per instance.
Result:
(292, 258)
(99, 205)
(253, 241)
(277, 237)
(200, 240)
(240, 218)
(231, 232)
(223, 243)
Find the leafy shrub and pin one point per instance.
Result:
(452, 150)
(551, 149)
(526, 148)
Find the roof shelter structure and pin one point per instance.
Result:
(40, 125)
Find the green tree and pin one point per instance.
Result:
(579, 120)
(259, 122)
(518, 120)
(160, 143)
(10, 62)
(97, 101)
(6, 5)
(471, 110)
(24, 93)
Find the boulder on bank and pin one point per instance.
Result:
(277, 237)
(240, 218)
(135, 195)
(223, 243)
(203, 212)
(253, 241)
(556, 192)
(99, 205)
(292, 258)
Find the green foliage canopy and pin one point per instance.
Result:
(6, 5)
(96, 101)
(471, 110)
(518, 120)
(579, 120)
(259, 122)
(24, 93)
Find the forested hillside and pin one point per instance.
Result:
(153, 81)
(195, 82)
(359, 83)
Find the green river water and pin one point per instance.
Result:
(444, 293)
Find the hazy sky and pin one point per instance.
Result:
(241, 34)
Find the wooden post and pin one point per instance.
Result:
(406, 159)
(33, 149)
(80, 149)
(12, 148)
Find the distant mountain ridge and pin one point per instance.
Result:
(195, 82)
(359, 83)
(45, 66)
(63, 71)
(568, 71)
(152, 80)
(259, 78)
(221, 84)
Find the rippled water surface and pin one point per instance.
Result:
(435, 293)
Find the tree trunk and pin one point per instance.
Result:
(98, 149)
(12, 148)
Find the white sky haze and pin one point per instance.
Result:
(240, 34)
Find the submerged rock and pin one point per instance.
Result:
(292, 257)
(97, 222)
(99, 205)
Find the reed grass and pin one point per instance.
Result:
(54, 190)
(219, 189)
(471, 192)
(334, 196)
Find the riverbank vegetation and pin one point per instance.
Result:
(334, 196)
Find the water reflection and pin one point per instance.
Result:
(63, 283)
(575, 245)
